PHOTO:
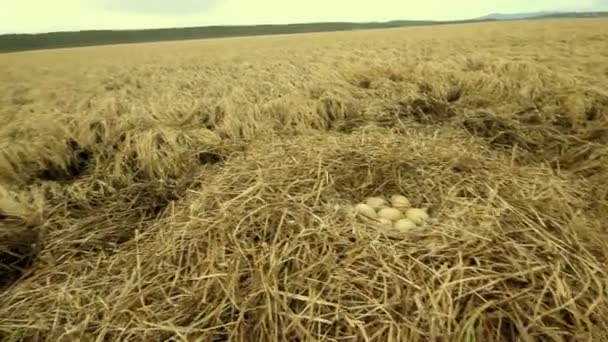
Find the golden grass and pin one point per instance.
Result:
(182, 191)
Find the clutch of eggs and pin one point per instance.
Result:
(397, 214)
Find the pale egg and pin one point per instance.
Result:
(418, 216)
(404, 225)
(385, 223)
(366, 211)
(376, 202)
(390, 214)
(400, 202)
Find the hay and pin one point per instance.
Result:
(213, 219)
(253, 252)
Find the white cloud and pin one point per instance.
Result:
(160, 7)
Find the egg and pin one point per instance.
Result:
(385, 223)
(400, 202)
(376, 202)
(366, 211)
(390, 214)
(404, 225)
(418, 216)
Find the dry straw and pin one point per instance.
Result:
(188, 202)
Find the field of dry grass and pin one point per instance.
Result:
(184, 191)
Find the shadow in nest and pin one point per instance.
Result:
(19, 248)
(76, 166)
(498, 131)
(555, 140)
(427, 110)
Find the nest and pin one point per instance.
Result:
(255, 251)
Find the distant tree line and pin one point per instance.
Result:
(17, 42)
(20, 42)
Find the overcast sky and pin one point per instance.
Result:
(29, 16)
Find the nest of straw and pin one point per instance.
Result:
(254, 252)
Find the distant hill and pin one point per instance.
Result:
(515, 16)
(574, 15)
(542, 15)
(53, 40)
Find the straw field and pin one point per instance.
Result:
(186, 191)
